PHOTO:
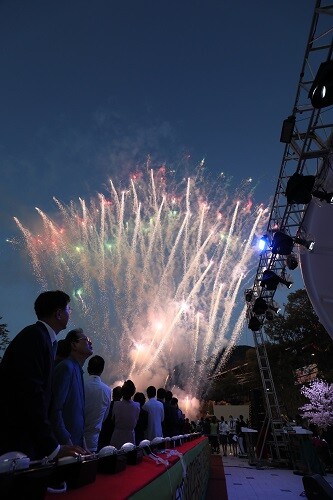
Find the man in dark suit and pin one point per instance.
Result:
(26, 373)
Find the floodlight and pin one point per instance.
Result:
(269, 315)
(248, 295)
(270, 280)
(254, 324)
(264, 242)
(282, 243)
(292, 261)
(299, 188)
(321, 92)
(260, 306)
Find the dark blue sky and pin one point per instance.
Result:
(89, 89)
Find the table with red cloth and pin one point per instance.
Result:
(186, 478)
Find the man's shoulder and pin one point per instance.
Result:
(28, 337)
(105, 387)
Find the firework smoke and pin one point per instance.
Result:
(156, 272)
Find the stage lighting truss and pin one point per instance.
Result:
(307, 157)
(307, 134)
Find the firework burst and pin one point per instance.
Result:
(156, 272)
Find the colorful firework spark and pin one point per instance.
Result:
(156, 272)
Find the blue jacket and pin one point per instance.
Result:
(67, 413)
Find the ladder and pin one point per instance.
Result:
(273, 438)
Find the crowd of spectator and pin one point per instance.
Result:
(50, 409)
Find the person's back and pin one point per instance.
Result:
(125, 413)
(97, 402)
(167, 424)
(24, 408)
(107, 429)
(155, 414)
(142, 423)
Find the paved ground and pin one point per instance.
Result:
(245, 482)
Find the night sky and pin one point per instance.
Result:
(90, 89)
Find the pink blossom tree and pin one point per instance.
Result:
(319, 410)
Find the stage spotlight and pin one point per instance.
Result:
(321, 92)
(299, 188)
(264, 242)
(291, 262)
(254, 324)
(248, 295)
(269, 315)
(260, 306)
(270, 280)
(287, 129)
(282, 243)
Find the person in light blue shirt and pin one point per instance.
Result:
(98, 399)
(155, 411)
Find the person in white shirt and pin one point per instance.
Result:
(223, 435)
(97, 404)
(155, 411)
(232, 435)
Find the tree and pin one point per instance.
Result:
(4, 339)
(298, 323)
(319, 410)
(299, 332)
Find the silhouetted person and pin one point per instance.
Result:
(125, 414)
(63, 351)
(167, 427)
(142, 422)
(108, 424)
(26, 373)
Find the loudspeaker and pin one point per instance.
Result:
(316, 488)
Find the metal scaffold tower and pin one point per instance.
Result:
(307, 133)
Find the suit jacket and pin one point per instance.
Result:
(26, 372)
(68, 404)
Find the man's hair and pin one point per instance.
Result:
(161, 393)
(96, 365)
(73, 336)
(168, 396)
(151, 391)
(49, 302)
(116, 393)
(128, 390)
(63, 350)
(139, 397)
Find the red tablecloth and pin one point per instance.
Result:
(124, 484)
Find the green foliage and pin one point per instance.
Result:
(299, 321)
(301, 335)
